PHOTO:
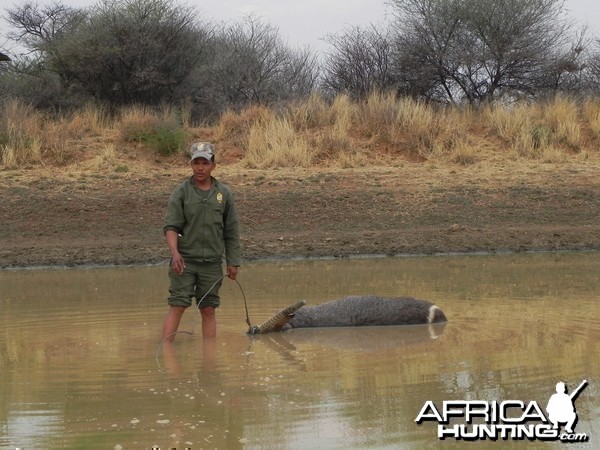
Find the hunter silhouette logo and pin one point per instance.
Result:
(508, 419)
(561, 406)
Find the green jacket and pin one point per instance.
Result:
(206, 222)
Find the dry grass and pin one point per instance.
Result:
(92, 120)
(379, 130)
(275, 143)
(314, 112)
(135, 122)
(547, 131)
(27, 136)
(562, 117)
(105, 158)
(591, 117)
(162, 131)
(235, 127)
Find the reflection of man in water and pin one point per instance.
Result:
(561, 409)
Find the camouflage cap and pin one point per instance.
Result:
(202, 150)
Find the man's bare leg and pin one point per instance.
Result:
(209, 322)
(171, 323)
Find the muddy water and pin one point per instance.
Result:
(81, 366)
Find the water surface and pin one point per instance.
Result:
(81, 366)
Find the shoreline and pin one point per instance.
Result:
(108, 219)
(92, 266)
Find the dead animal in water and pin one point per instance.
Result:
(354, 311)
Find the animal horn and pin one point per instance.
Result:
(278, 320)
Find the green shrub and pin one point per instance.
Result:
(542, 136)
(160, 131)
(166, 141)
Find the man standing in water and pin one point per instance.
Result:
(201, 226)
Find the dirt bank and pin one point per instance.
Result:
(76, 217)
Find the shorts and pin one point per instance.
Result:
(196, 279)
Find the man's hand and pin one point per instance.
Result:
(177, 263)
(232, 272)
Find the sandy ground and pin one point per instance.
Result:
(80, 217)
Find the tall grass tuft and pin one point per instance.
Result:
(420, 130)
(451, 137)
(561, 116)
(234, 127)
(311, 113)
(591, 116)
(329, 128)
(27, 136)
(91, 120)
(106, 158)
(275, 143)
(536, 130)
(161, 131)
(17, 123)
(425, 131)
(520, 128)
(507, 122)
(377, 112)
